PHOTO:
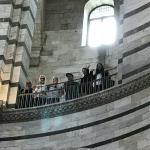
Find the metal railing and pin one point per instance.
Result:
(1, 104)
(63, 92)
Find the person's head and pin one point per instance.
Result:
(85, 71)
(28, 84)
(34, 87)
(69, 76)
(55, 80)
(42, 79)
(99, 67)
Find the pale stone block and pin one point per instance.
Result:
(123, 102)
(3, 47)
(133, 22)
(4, 28)
(5, 11)
(136, 61)
(132, 5)
(25, 38)
(6, 73)
(4, 92)
(10, 52)
(26, 19)
(14, 31)
(18, 2)
(16, 74)
(21, 56)
(17, 15)
(32, 5)
(12, 95)
(137, 35)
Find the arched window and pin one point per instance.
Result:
(101, 26)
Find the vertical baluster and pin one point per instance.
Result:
(41, 100)
(71, 92)
(22, 101)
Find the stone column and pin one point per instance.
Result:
(6, 11)
(38, 40)
(17, 19)
(135, 42)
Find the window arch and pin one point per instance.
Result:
(101, 26)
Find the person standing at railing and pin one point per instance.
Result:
(71, 87)
(54, 92)
(99, 78)
(108, 82)
(28, 88)
(40, 91)
(86, 82)
(25, 99)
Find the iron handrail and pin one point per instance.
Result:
(67, 91)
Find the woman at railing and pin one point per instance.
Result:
(40, 91)
(41, 87)
(86, 82)
(102, 79)
(98, 76)
(26, 97)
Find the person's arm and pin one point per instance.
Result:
(35, 90)
(22, 91)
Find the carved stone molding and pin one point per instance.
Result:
(77, 105)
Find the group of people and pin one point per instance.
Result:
(90, 82)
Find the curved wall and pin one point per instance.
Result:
(99, 128)
(100, 121)
(16, 31)
(134, 39)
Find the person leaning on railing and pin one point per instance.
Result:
(99, 78)
(71, 88)
(86, 82)
(108, 82)
(40, 91)
(54, 92)
(25, 98)
(102, 79)
(28, 88)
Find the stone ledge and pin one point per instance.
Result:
(77, 105)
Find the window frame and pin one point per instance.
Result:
(88, 22)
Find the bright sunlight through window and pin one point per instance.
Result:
(102, 27)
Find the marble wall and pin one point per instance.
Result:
(121, 125)
(134, 39)
(17, 25)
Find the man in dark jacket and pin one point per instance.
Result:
(86, 82)
(71, 87)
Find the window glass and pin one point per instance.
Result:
(102, 26)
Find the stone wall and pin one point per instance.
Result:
(16, 32)
(61, 51)
(64, 14)
(130, 55)
(37, 41)
(134, 39)
(121, 125)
